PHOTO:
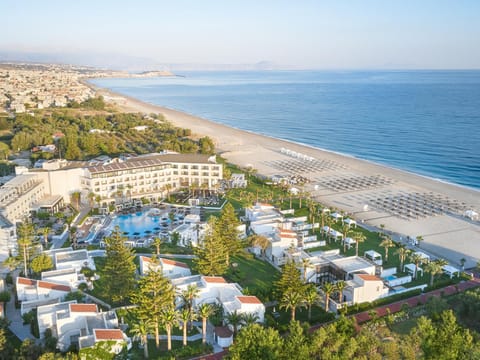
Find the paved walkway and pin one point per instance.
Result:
(16, 322)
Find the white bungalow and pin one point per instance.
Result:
(170, 268)
(374, 256)
(337, 216)
(364, 288)
(410, 268)
(70, 277)
(450, 270)
(350, 222)
(75, 259)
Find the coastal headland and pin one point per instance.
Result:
(407, 204)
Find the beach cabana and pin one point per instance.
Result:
(410, 268)
(349, 242)
(450, 270)
(425, 257)
(472, 215)
(350, 222)
(373, 256)
(337, 216)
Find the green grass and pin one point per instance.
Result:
(255, 275)
(404, 327)
(281, 320)
(193, 348)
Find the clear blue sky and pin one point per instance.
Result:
(305, 34)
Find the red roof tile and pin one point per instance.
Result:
(145, 258)
(175, 263)
(249, 299)
(53, 286)
(108, 334)
(25, 281)
(215, 279)
(369, 277)
(83, 308)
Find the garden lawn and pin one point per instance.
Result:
(253, 274)
(193, 348)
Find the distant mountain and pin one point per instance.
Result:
(126, 62)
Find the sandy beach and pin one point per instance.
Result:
(406, 203)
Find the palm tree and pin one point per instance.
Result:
(311, 297)
(140, 330)
(11, 262)
(419, 239)
(402, 253)
(386, 244)
(329, 222)
(186, 315)
(291, 300)
(45, 231)
(328, 289)
(340, 287)
(75, 198)
(382, 228)
(188, 295)
(462, 263)
(169, 319)
(168, 188)
(235, 319)
(260, 241)
(305, 265)
(91, 198)
(358, 237)
(25, 233)
(434, 268)
(205, 311)
(249, 319)
(157, 242)
(417, 259)
(345, 231)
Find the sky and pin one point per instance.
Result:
(336, 34)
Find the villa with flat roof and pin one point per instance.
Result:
(170, 268)
(215, 289)
(79, 324)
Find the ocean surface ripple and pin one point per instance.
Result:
(427, 122)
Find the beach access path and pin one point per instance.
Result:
(406, 203)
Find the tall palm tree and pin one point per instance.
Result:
(292, 299)
(434, 268)
(358, 237)
(186, 316)
(205, 311)
(387, 243)
(188, 295)
(25, 233)
(328, 289)
(417, 259)
(345, 231)
(140, 330)
(311, 297)
(306, 263)
(249, 319)
(45, 231)
(157, 242)
(402, 253)
(235, 319)
(462, 263)
(260, 241)
(169, 319)
(419, 239)
(340, 287)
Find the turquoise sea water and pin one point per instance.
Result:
(427, 122)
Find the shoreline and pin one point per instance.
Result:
(446, 235)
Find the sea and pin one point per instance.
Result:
(426, 122)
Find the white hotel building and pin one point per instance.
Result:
(147, 176)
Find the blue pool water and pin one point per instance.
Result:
(390, 277)
(139, 224)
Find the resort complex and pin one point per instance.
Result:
(111, 182)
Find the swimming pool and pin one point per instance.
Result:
(389, 277)
(139, 223)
